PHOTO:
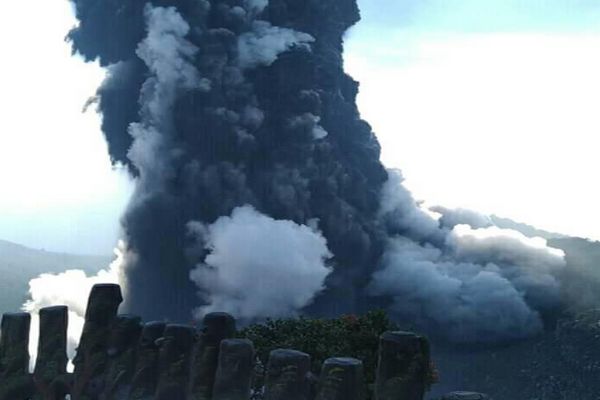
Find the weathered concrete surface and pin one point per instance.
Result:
(403, 366)
(145, 374)
(174, 362)
(341, 379)
(15, 382)
(122, 346)
(287, 375)
(50, 375)
(465, 396)
(91, 360)
(234, 373)
(216, 327)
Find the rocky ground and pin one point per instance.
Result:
(563, 364)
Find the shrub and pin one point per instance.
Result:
(347, 336)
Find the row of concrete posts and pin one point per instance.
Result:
(120, 358)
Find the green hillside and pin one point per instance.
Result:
(19, 264)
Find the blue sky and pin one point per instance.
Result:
(490, 105)
(486, 104)
(477, 16)
(58, 190)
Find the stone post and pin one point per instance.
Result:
(403, 367)
(174, 362)
(217, 327)
(145, 375)
(287, 375)
(92, 354)
(234, 373)
(341, 379)
(50, 374)
(15, 381)
(465, 396)
(122, 344)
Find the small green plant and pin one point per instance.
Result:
(347, 336)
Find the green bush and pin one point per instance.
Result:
(347, 336)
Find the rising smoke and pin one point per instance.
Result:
(259, 189)
(462, 276)
(237, 103)
(258, 267)
(70, 288)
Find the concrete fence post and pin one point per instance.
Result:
(465, 396)
(403, 367)
(216, 328)
(287, 375)
(235, 369)
(50, 374)
(122, 346)
(341, 379)
(92, 354)
(15, 381)
(174, 362)
(145, 372)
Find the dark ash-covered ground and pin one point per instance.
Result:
(563, 364)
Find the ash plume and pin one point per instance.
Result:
(237, 103)
(259, 189)
(456, 274)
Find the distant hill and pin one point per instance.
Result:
(525, 229)
(19, 264)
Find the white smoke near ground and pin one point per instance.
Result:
(470, 283)
(264, 43)
(169, 56)
(70, 288)
(464, 301)
(259, 267)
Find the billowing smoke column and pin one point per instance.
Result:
(216, 105)
(259, 189)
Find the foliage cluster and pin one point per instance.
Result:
(347, 336)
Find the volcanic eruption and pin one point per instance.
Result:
(224, 104)
(259, 188)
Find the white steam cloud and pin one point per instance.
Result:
(256, 6)
(169, 56)
(264, 43)
(258, 266)
(70, 288)
(471, 283)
